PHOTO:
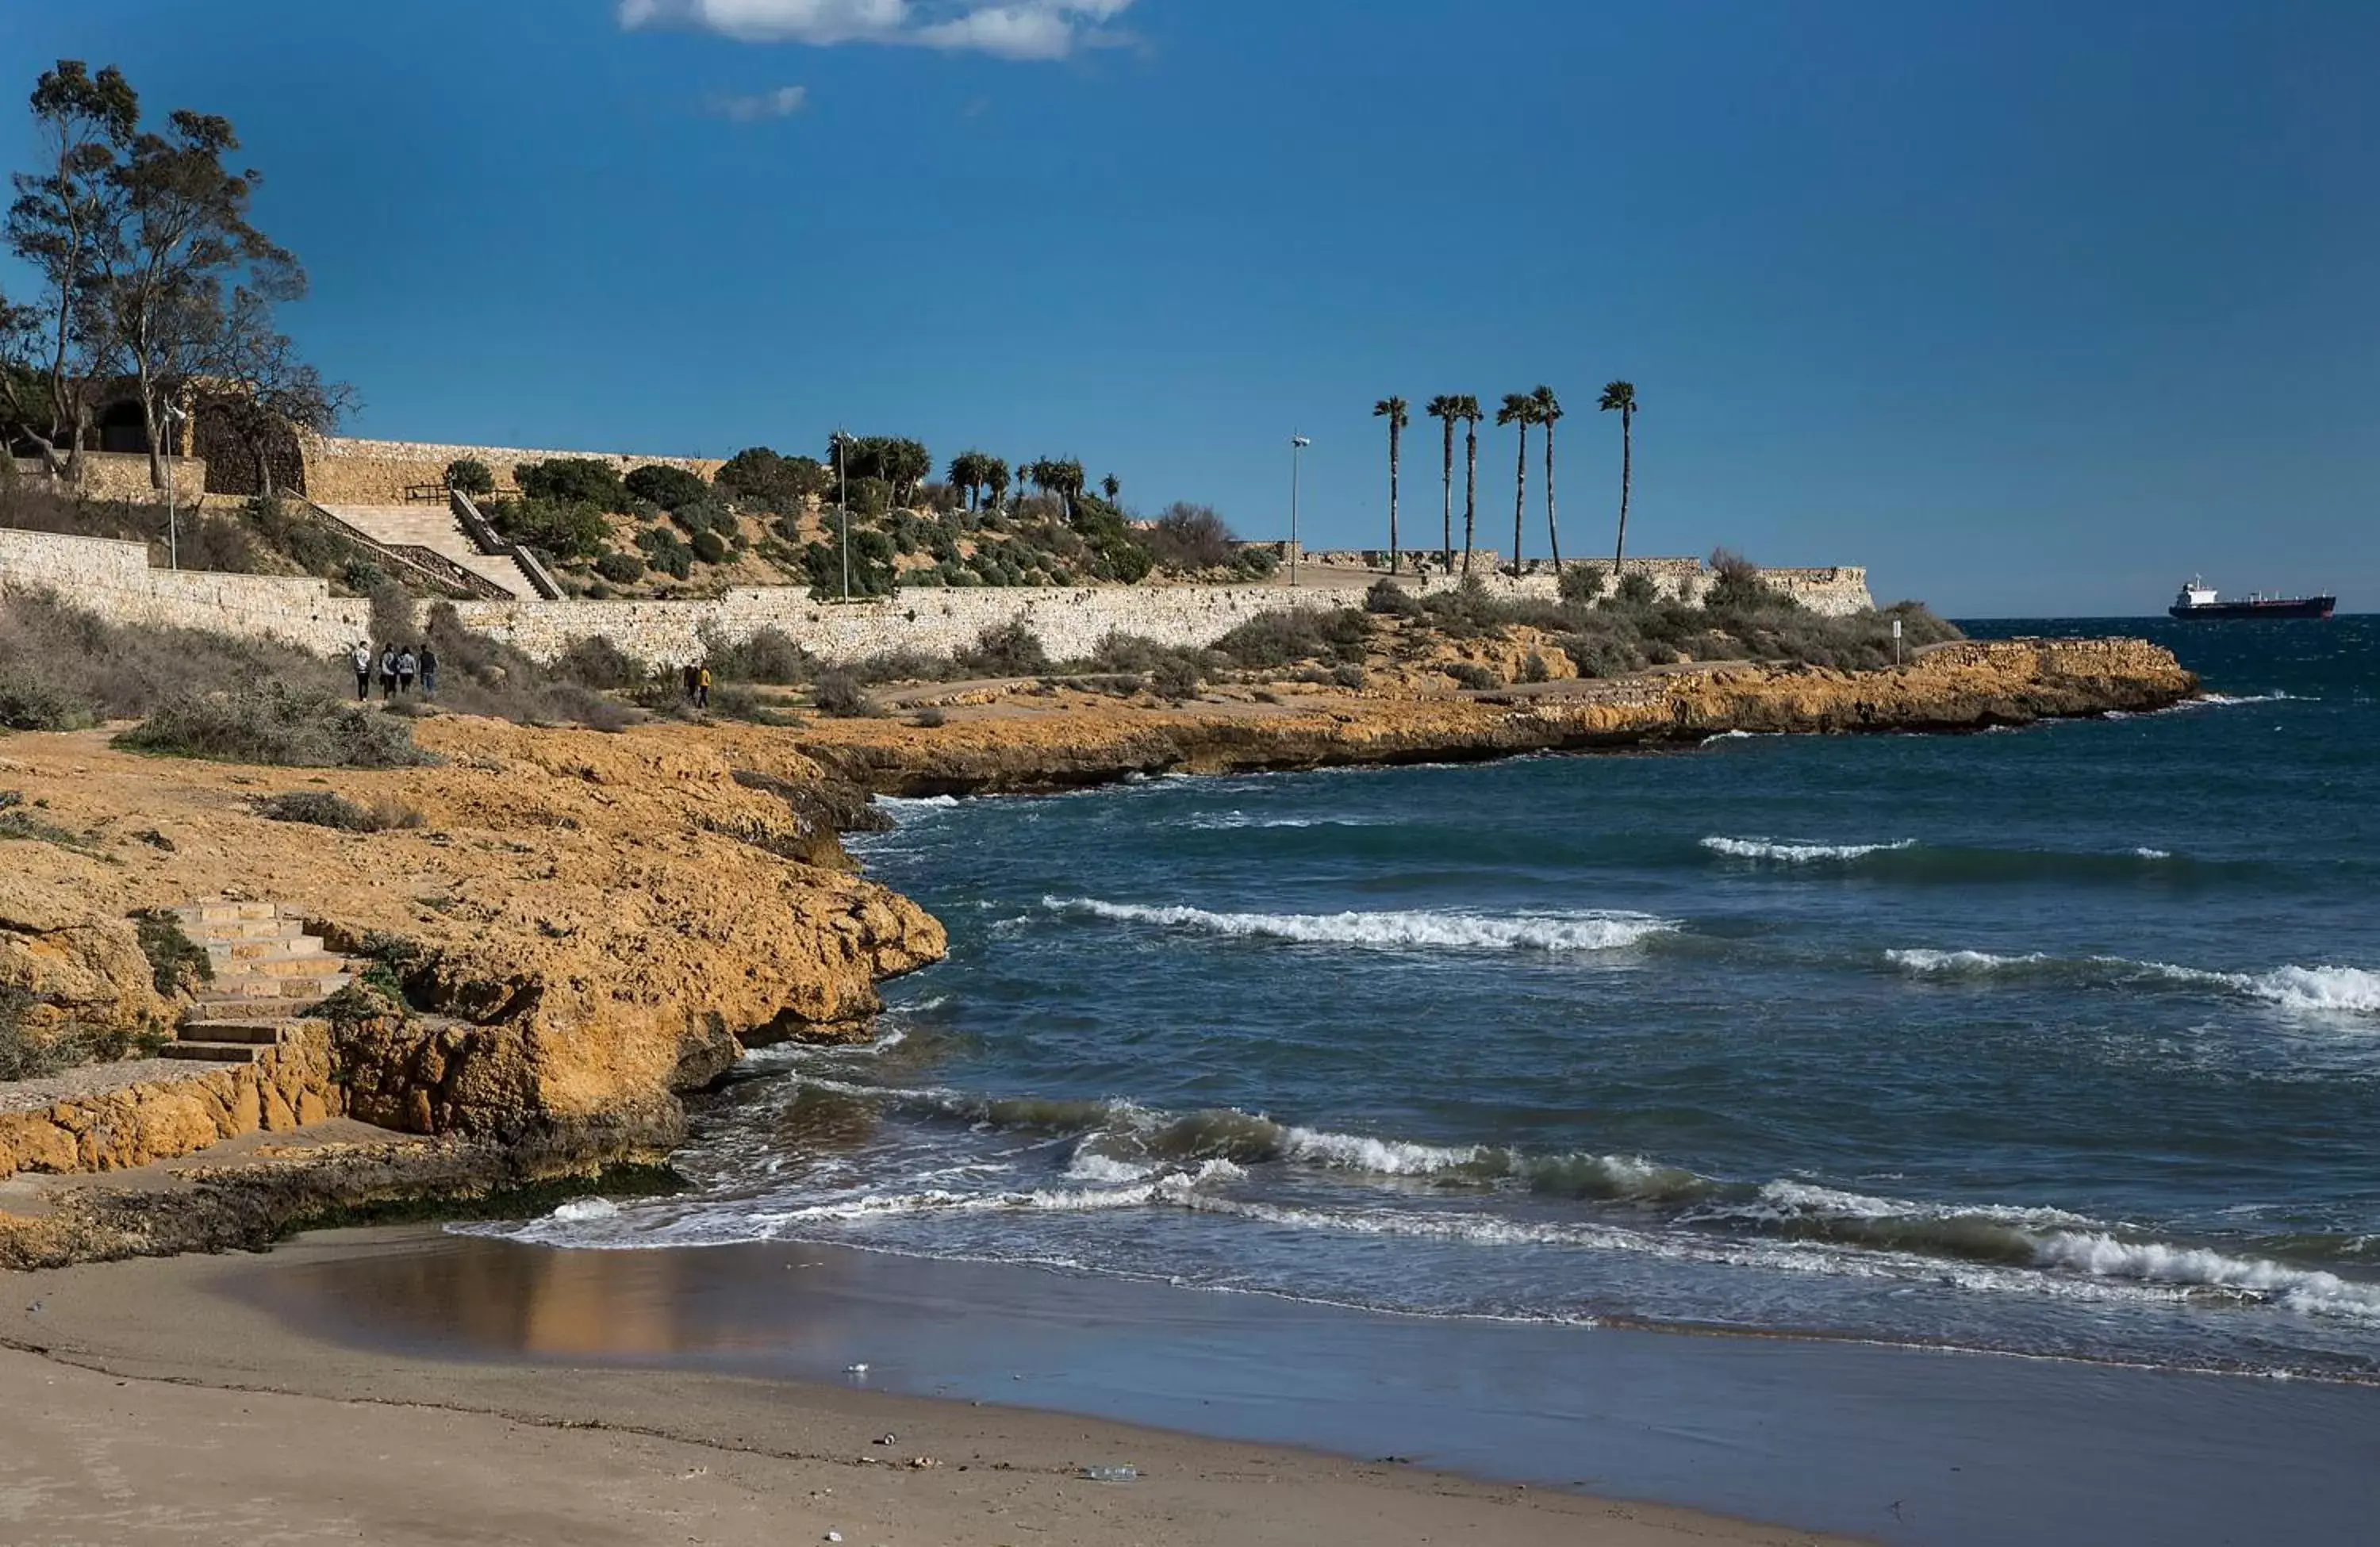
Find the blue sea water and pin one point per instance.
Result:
(2058, 1041)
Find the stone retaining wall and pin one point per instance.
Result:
(114, 580)
(342, 470)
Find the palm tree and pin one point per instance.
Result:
(1623, 397)
(1111, 486)
(1549, 409)
(1466, 409)
(1393, 409)
(1521, 410)
(1444, 406)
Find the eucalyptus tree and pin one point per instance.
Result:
(1549, 411)
(1620, 397)
(1519, 409)
(1446, 409)
(67, 214)
(1466, 409)
(1395, 411)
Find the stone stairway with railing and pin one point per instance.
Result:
(269, 974)
(436, 528)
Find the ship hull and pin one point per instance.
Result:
(2222, 612)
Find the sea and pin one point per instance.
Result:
(2060, 1041)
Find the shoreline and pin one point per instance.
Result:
(571, 1450)
(1246, 1419)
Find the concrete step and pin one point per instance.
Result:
(309, 963)
(238, 996)
(251, 953)
(241, 930)
(226, 912)
(214, 1052)
(434, 527)
(260, 1032)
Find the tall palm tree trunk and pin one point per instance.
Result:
(1470, 492)
(1520, 496)
(1627, 449)
(1447, 555)
(1553, 533)
(1396, 452)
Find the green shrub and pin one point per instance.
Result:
(1580, 584)
(760, 477)
(17, 822)
(471, 476)
(598, 663)
(665, 552)
(929, 718)
(1471, 675)
(839, 695)
(1534, 668)
(322, 808)
(1004, 650)
(668, 487)
(767, 656)
(1299, 634)
(1176, 678)
(27, 1054)
(573, 480)
(276, 723)
(621, 568)
(176, 962)
(1636, 590)
(29, 705)
(575, 529)
(1388, 599)
(708, 548)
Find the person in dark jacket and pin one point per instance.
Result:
(387, 672)
(429, 671)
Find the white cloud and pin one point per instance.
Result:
(1007, 28)
(782, 103)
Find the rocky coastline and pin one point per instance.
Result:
(574, 930)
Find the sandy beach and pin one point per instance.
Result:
(214, 1421)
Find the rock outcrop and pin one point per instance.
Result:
(1067, 739)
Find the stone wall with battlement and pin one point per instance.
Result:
(340, 469)
(114, 579)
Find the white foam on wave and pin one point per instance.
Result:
(1797, 853)
(581, 1211)
(1920, 960)
(1591, 929)
(1384, 1157)
(2329, 990)
(2152, 854)
(1789, 1198)
(1232, 821)
(2309, 1290)
(903, 808)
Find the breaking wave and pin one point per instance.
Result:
(1799, 854)
(1590, 930)
(2313, 989)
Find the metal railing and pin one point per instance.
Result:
(484, 538)
(426, 565)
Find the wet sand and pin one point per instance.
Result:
(156, 1402)
(729, 1365)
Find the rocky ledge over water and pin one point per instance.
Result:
(1042, 737)
(562, 931)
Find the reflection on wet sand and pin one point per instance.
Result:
(489, 1298)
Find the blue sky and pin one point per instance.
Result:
(2031, 308)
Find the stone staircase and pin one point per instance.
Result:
(269, 972)
(434, 527)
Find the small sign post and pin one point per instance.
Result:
(1896, 642)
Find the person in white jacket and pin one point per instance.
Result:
(363, 664)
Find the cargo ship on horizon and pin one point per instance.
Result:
(2198, 602)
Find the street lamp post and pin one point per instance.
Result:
(1297, 445)
(174, 416)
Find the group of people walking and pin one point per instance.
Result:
(400, 666)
